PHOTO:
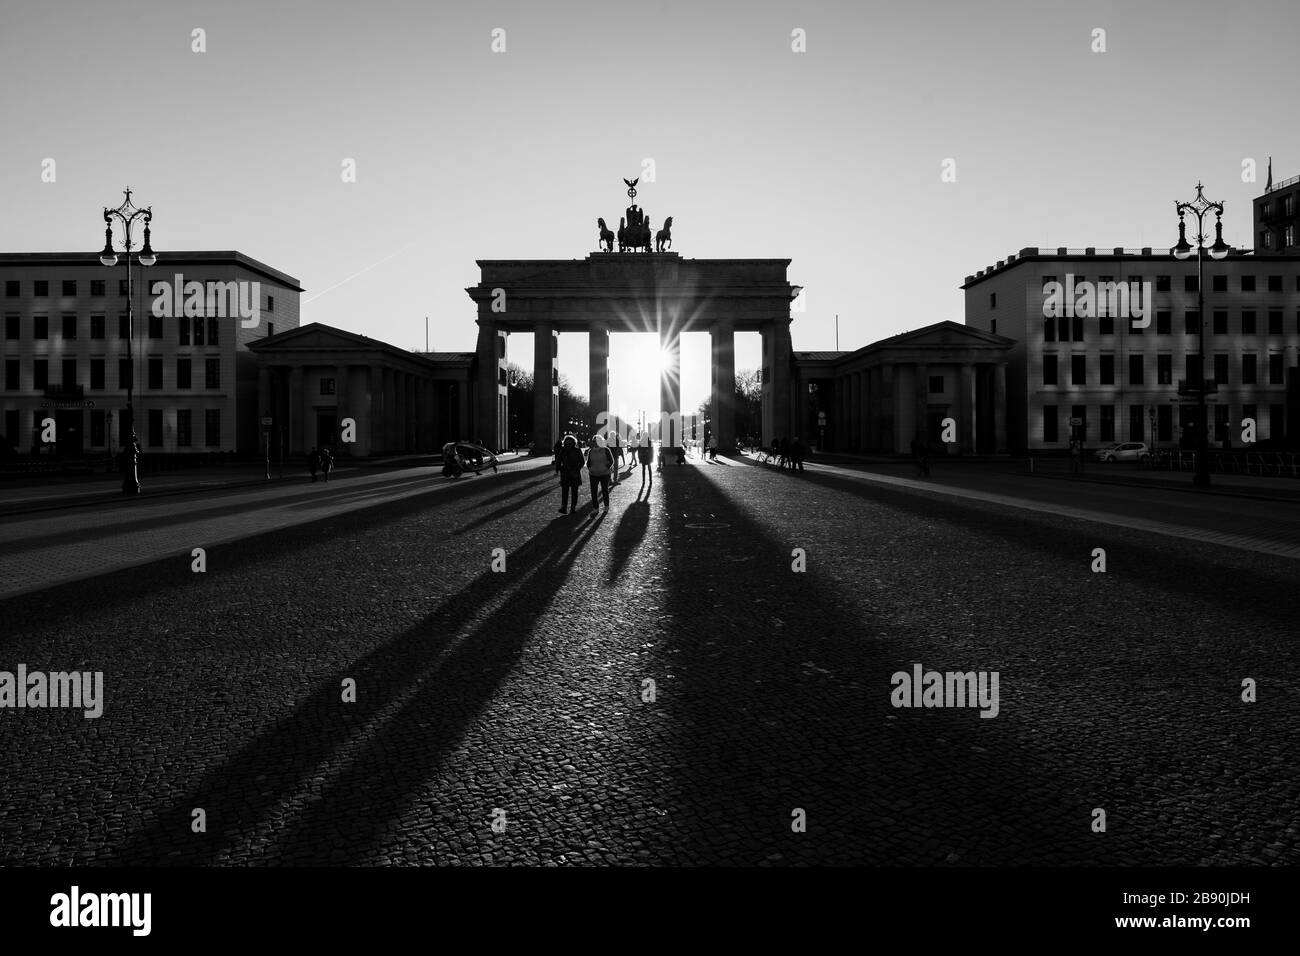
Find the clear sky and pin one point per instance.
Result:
(831, 157)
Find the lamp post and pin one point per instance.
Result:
(127, 214)
(1199, 207)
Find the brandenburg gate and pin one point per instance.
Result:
(632, 290)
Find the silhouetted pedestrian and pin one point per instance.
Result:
(600, 462)
(796, 454)
(568, 464)
(645, 453)
(326, 463)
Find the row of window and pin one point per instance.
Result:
(153, 374)
(1218, 283)
(1140, 424)
(1071, 328)
(98, 287)
(1164, 369)
(151, 437)
(1288, 207)
(197, 329)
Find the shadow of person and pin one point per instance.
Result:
(631, 529)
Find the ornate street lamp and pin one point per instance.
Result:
(127, 214)
(1199, 207)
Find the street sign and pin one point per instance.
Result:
(266, 421)
(821, 418)
(1076, 421)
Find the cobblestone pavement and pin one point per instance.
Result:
(523, 690)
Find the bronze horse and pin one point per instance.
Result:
(606, 235)
(634, 237)
(664, 237)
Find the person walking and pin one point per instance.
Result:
(600, 462)
(645, 454)
(796, 454)
(568, 465)
(618, 455)
(326, 463)
(313, 462)
(559, 446)
(713, 447)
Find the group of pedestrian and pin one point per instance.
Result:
(602, 464)
(320, 460)
(789, 453)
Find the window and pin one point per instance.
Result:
(1274, 283)
(1162, 284)
(198, 331)
(1164, 323)
(212, 330)
(155, 438)
(1221, 369)
(1080, 412)
(183, 437)
(212, 426)
(1049, 369)
(123, 373)
(13, 288)
(1220, 321)
(70, 286)
(1076, 329)
(155, 326)
(41, 374)
(1078, 370)
(1107, 376)
(1247, 283)
(270, 302)
(1221, 422)
(212, 373)
(96, 326)
(1189, 284)
(69, 373)
(69, 327)
(1248, 322)
(993, 300)
(1275, 369)
(1288, 236)
(1249, 370)
(1193, 368)
(183, 325)
(1219, 283)
(327, 386)
(1164, 423)
(1049, 330)
(155, 376)
(11, 327)
(1276, 419)
(1274, 321)
(41, 289)
(40, 327)
(123, 325)
(1135, 369)
(13, 369)
(96, 428)
(96, 287)
(97, 374)
(1107, 422)
(11, 426)
(183, 373)
(1251, 411)
(1288, 205)
(1164, 370)
(993, 327)
(936, 385)
(1136, 422)
(270, 327)
(122, 287)
(1049, 423)
(1106, 325)
(1063, 329)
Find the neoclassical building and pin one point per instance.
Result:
(882, 396)
(313, 380)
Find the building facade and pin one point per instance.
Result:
(69, 350)
(323, 387)
(1085, 352)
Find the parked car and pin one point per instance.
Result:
(467, 457)
(1124, 451)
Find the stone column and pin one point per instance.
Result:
(723, 407)
(889, 430)
(392, 413)
(922, 401)
(372, 441)
(670, 383)
(490, 386)
(855, 413)
(546, 391)
(1000, 408)
(781, 349)
(297, 414)
(342, 408)
(966, 406)
(598, 371)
